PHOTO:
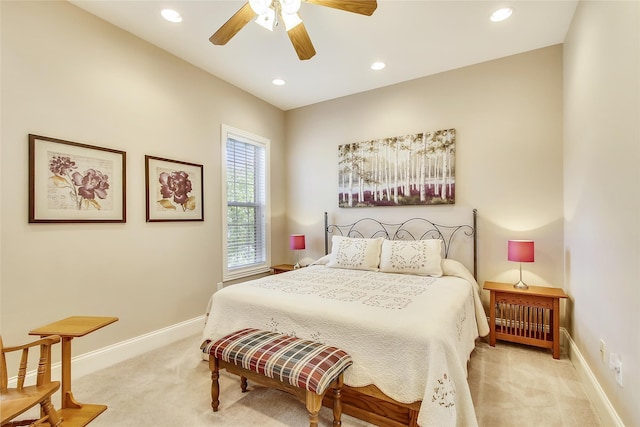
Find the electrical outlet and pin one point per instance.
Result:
(619, 374)
(615, 364)
(603, 352)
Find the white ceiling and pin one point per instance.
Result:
(415, 38)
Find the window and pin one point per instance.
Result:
(245, 219)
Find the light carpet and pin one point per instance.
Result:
(511, 385)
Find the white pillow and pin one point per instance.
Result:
(322, 260)
(412, 257)
(354, 253)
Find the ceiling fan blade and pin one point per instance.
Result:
(233, 25)
(301, 42)
(363, 7)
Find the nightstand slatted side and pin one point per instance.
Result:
(526, 316)
(529, 322)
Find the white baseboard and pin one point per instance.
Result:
(96, 360)
(601, 402)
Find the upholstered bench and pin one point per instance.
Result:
(303, 368)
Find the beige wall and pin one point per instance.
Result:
(602, 197)
(69, 75)
(508, 118)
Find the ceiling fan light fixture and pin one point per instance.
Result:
(260, 7)
(290, 6)
(267, 19)
(501, 14)
(270, 12)
(291, 20)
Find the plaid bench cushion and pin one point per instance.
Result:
(302, 363)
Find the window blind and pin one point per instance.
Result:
(246, 200)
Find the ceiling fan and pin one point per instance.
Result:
(270, 12)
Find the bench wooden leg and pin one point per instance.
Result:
(215, 386)
(337, 402)
(243, 384)
(313, 404)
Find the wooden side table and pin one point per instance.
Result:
(73, 412)
(281, 268)
(527, 316)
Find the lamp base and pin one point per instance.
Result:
(521, 285)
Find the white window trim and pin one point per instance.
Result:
(244, 136)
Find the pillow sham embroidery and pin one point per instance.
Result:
(354, 253)
(412, 257)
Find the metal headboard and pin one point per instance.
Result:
(411, 229)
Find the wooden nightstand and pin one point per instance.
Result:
(527, 316)
(281, 268)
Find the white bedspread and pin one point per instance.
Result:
(411, 336)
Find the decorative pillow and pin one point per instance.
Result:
(322, 261)
(355, 254)
(412, 257)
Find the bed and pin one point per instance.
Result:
(388, 295)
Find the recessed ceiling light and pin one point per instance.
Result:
(501, 14)
(378, 66)
(171, 15)
(278, 82)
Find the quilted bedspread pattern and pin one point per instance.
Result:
(411, 336)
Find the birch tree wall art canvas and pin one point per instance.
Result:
(417, 169)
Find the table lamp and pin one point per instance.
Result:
(296, 243)
(521, 251)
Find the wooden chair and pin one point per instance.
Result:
(16, 401)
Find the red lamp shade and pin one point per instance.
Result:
(521, 250)
(296, 242)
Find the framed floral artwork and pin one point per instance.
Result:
(74, 182)
(174, 190)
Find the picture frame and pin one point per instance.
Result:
(174, 190)
(413, 169)
(71, 182)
